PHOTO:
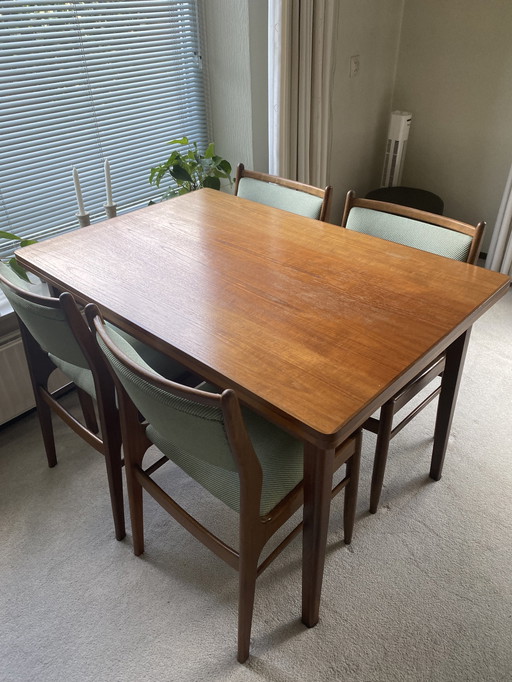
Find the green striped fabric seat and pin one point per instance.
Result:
(51, 330)
(193, 436)
(276, 196)
(439, 240)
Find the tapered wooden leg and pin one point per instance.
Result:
(349, 510)
(455, 356)
(40, 367)
(381, 454)
(44, 414)
(115, 485)
(87, 405)
(318, 467)
(247, 586)
(136, 510)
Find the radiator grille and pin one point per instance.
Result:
(16, 394)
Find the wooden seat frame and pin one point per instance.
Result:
(41, 367)
(383, 426)
(254, 530)
(325, 194)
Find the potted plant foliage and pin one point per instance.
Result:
(191, 170)
(12, 262)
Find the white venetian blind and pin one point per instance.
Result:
(86, 81)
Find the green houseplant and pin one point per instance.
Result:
(18, 269)
(191, 169)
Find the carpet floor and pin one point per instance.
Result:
(423, 593)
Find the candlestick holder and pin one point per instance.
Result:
(84, 219)
(110, 210)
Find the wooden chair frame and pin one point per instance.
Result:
(254, 530)
(475, 232)
(41, 367)
(325, 194)
(383, 426)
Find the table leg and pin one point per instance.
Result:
(455, 356)
(318, 466)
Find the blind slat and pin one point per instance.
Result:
(85, 81)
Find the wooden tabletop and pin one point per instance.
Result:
(313, 324)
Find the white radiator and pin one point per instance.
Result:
(16, 394)
(396, 146)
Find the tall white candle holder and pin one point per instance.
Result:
(84, 219)
(110, 210)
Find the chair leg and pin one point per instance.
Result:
(381, 454)
(248, 572)
(115, 485)
(87, 405)
(349, 505)
(44, 414)
(136, 509)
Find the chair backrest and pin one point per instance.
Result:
(412, 227)
(289, 195)
(44, 318)
(200, 425)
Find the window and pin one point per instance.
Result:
(87, 81)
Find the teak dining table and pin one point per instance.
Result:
(313, 325)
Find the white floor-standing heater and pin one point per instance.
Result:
(396, 146)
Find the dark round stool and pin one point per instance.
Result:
(409, 196)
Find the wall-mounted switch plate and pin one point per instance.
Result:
(355, 65)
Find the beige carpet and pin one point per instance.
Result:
(423, 593)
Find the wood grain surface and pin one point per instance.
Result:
(312, 324)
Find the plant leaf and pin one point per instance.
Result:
(211, 182)
(184, 140)
(8, 235)
(28, 242)
(225, 166)
(210, 151)
(180, 174)
(18, 269)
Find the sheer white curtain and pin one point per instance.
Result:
(499, 257)
(301, 62)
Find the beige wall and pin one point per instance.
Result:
(454, 74)
(236, 60)
(452, 60)
(361, 105)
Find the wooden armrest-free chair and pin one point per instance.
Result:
(251, 465)
(55, 334)
(428, 232)
(289, 195)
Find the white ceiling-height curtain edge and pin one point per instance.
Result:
(301, 63)
(499, 257)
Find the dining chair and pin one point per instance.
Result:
(55, 335)
(243, 460)
(289, 195)
(428, 232)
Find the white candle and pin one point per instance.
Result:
(108, 183)
(78, 190)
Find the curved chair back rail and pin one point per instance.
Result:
(56, 335)
(289, 195)
(44, 318)
(245, 461)
(429, 232)
(413, 227)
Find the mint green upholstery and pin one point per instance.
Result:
(439, 240)
(276, 196)
(162, 364)
(193, 436)
(48, 326)
(51, 330)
